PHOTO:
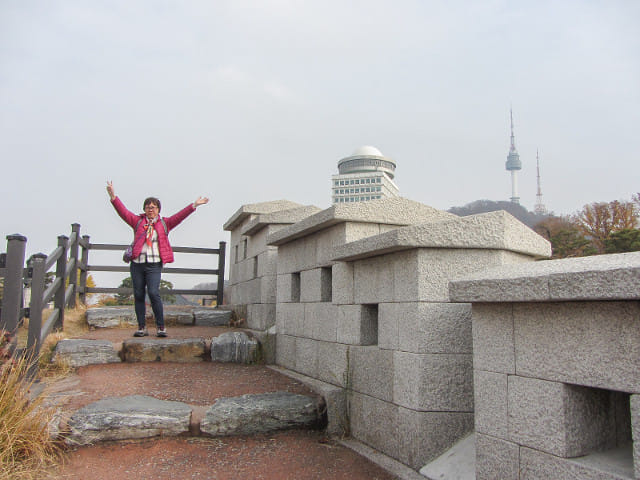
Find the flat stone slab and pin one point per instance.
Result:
(209, 317)
(600, 277)
(182, 350)
(457, 463)
(105, 317)
(234, 347)
(79, 353)
(121, 418)
(261, 413)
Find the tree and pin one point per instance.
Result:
(127, 299)
(565, 237)
(598, 220)
(627, 240)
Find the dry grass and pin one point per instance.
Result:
(26, 449)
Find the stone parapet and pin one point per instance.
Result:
(601, 277)
(556, 356)
(487, 231)
(389, 211)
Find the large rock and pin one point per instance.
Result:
(121, 418)
(79, 353)
(211, 317)
(234, 347)
(182, 350)
(261, 413)
(105, 317)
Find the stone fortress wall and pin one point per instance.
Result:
(359, 299)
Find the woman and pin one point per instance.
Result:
(151, 249)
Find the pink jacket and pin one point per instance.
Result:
(166, 253)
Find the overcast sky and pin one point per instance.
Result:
(251, 101)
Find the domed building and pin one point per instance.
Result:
(364, 175)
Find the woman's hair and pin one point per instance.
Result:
(152, 200)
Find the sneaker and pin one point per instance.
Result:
(143, 332)
(162, 332)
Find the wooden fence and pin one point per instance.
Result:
(71, 257)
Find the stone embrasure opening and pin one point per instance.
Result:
(325, 284)
(295, 287)
(369, 324)
(613, 450)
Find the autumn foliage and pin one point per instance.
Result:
(599, 227)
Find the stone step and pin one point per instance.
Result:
(230, 347)
(139, 416)
(261, 413)
(108, 317)
(80, 353)
(123, 418)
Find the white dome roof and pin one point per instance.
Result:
(367, 150)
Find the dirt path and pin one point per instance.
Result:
(283, 455)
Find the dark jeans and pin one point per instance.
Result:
(147, 275)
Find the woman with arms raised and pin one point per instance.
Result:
(150, 251)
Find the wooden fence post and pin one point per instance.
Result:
(221, 260)
(73, 259)
(84, 262)
(61, 273)
(13, 283)
(37, 273)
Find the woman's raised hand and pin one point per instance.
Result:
(110, 190)
(200, 201)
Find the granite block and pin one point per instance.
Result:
(421, 327)
(371, 371)
(333, 363)
(493, 338)
(267, 262)
(327, 240)
(497, 459)
(491, 403)
(433, 382)
(247, 292)
(373, 280)
(389, 318)
(284, 288)
(261, 316)
(342, 287)
(423, 436)
(268, 285)
(563, 420)
(357, 324)
(297, 255)
(374, 423)
(307, 356)
(246, 270)
(286, 351)
(290, 318)
(320, 321)
(601, 277)
(587, 343)
(491, 231)
(437, 267)
(310, 285)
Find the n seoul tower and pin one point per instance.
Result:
(513, 164)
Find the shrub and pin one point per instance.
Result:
(26, 447)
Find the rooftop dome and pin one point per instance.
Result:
(367, 150)
(367, 159)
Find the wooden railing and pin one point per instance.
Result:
(71, 257)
